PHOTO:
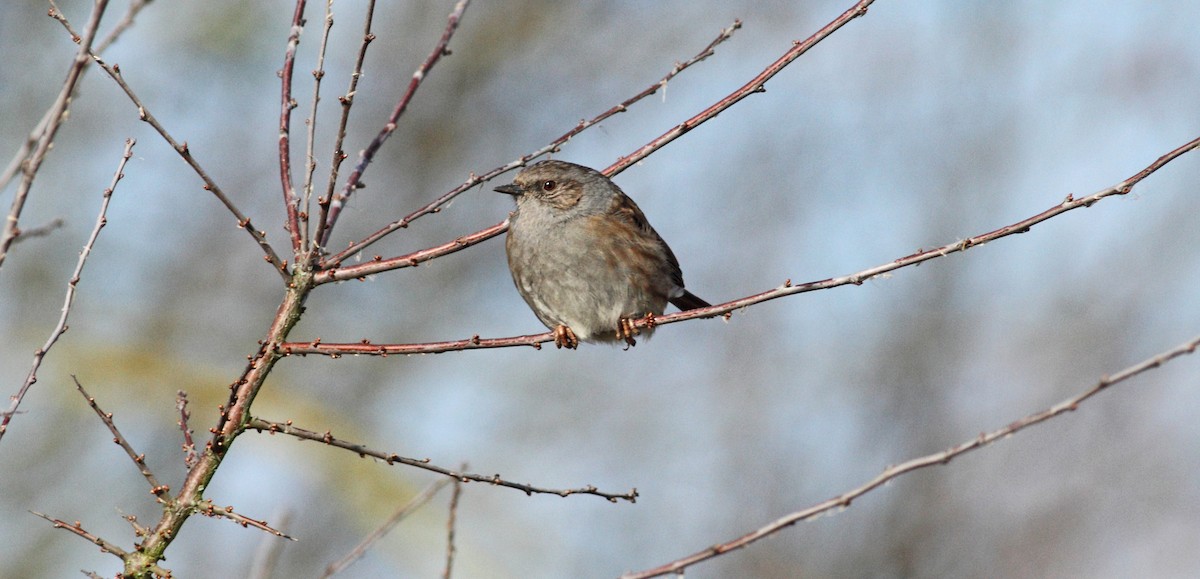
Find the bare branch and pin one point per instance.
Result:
(77, 528)
(189, 447)
(14, 164)
(207, 508)
(378, 264)
(450, 521)
(756, 85)
(266, 558)
(290, 200)
(272, 427)
(401, 513)
(139, 460)
(940, 458)
(310, 158)
(347, 101)
(726, 309)
(61, 327)
(473, 180)
(40, 231)
(338, 201)
(30, 164)
(211, 186)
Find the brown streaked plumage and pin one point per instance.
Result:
(584, 257)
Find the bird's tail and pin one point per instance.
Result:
(688, 301)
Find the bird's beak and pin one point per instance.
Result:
(510, 189)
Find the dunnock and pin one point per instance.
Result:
(584, 257)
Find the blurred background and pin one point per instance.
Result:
(915, 126)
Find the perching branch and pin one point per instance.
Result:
(727, 308)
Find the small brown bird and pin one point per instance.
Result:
(584, 257)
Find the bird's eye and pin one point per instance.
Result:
(549, 185)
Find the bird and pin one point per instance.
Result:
(584, 257)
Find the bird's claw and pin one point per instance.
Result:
(565, 338)
(626, 331)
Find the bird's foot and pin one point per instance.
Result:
(565, 338)
(626, 331)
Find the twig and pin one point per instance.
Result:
(14, 164)
(310, 159)
(473, 179)
(336, 203)
(30, 164)
(157, 489)
(369, 541)
(378, 264)
(61, 327)
(347, 101)
(272, 427)
(207, 508)
(266, 557)
(726, 309)
(756, 85)
(939, 458)
(211, 186)
(189, 447)
(450, 521)
(40, 231)
(290, 199)
(77, 528)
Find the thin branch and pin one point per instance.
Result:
(290, 199)
(347, 101)
(207, 508)
(77, 528)
(756, 85)
(378, 264)
(139, 460)
(211, 186)
(266, 558)
(940, 458)
(14, 164)
(272, 427)
(473, 179)
(450, 522)
(30, 164)
(310, 158)
(726, 309)
(61, 327)
(337, 202)
(369, 541)
(189, 446)
(40, 231)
